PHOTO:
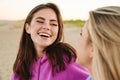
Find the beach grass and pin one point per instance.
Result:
(67, 23)
(71, 23)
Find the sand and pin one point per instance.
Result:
(9, 42)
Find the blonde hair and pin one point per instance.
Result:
(105, 36)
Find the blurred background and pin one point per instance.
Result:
(14, 12)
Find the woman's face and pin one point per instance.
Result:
(43, 28)
(84, 47)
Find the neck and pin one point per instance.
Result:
(89, 67)
(90, 70)
(40, 52)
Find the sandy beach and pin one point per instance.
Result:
(9, 42)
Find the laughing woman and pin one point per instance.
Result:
(42, 55)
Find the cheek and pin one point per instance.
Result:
(82, 51)
(80, 46)
(55, 32)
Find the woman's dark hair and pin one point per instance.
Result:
(58, 53)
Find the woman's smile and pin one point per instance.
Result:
(44, 35)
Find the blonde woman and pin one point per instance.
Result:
(99, 44)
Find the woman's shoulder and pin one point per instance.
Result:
(74, 67)
(76, 72)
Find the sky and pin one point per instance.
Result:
(70, 9)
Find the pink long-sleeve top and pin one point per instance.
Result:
(41, 70)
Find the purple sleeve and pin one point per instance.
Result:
(14, 77)
(73, 72)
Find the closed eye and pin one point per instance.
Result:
(39, 21)
(54, 24)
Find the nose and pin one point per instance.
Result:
(46, 26)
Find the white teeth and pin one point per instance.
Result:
(44, 34)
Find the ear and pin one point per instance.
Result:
(27, 28)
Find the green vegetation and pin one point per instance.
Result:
(18, 24)
(2, 23)
(72, 23)
(67, 23)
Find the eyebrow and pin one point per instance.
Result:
(53, 20)
(40, 18)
